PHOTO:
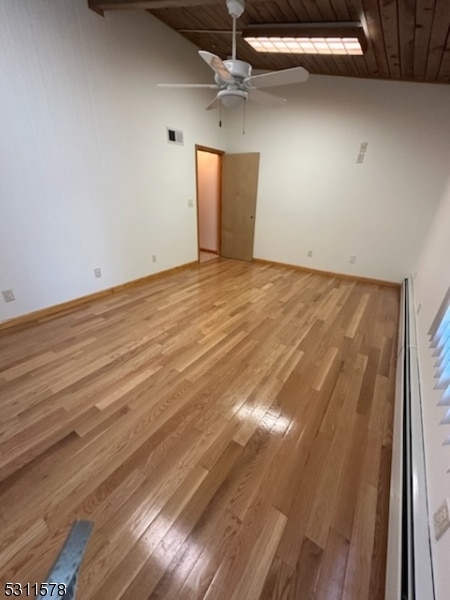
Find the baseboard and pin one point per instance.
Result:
(210, 251)
(358, 278)
(56, 310)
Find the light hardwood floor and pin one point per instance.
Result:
(228, 429)
(206, 256)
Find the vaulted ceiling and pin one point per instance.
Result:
(407, 39)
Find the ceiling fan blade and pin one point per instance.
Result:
(265, 98)
(188, 85)
(214, 104)
(217, 65)
(274, 78)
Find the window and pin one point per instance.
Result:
(440, 341)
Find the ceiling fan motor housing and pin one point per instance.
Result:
(238, 68)
(240, 71)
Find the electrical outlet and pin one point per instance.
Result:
(442, 519)
(154, 258)
(310, 253)
(190, 203)
(360, 158)
(98, 272)
(363, 147)
(8, 296)
(352, 260)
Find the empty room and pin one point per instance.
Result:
(225, 299)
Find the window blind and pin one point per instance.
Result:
(440, 342)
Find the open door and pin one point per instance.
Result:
(209, 177)
(239, 190)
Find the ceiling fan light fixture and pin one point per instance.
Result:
(232, 98)
(345, 39)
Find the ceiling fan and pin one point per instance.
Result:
(234, 79)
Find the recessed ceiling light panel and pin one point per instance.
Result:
(345, 39)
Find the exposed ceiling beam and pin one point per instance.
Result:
(95, 8)
(101, 5)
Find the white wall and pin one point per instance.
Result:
(313, 196)
(208, 169)
(431, 284)
(86, 176)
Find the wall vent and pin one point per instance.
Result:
(175, 136)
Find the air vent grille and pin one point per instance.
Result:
(175, 136)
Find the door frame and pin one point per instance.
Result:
(220, 153)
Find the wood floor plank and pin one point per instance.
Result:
(368, 383)
(278, 581)
(228, 429)
(20, 538)
(258, 564)
(129, 567)
(232, 571)
(173, 547)
(351, 477)
(356, 319)
(332, 568)
(299, 513)
(307, 571)
(357, 575)
(210, 550)
(379, 554)
(321, 507)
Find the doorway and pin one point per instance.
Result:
(209, 183)
(227, 186)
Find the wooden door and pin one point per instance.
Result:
(239, 190)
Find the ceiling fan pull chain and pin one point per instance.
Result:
(220, 115)
(245, 114)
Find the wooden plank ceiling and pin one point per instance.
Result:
(407, 39)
